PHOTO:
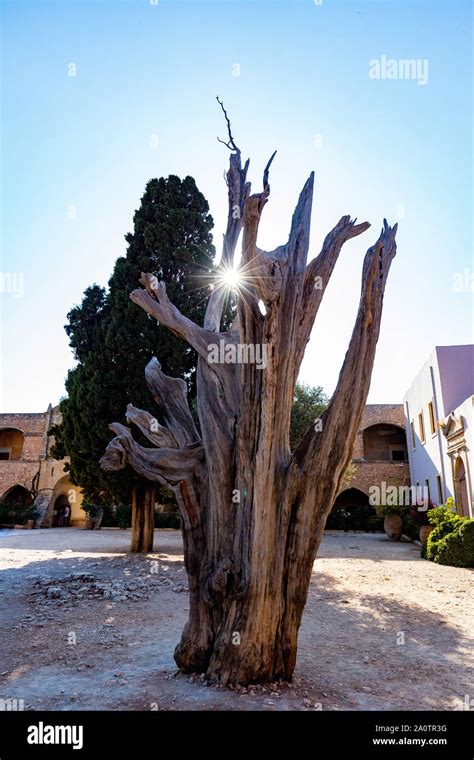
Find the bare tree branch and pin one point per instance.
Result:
(165, 466)
(158, 435)
(171, 397)
(154, 300)
(267, 170)
(341, 419)
(231, 143)
(317, 275)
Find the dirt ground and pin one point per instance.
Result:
(84, 625)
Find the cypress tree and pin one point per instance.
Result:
(113, 341)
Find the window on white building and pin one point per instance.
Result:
(440, 489)
(421, 426)
(427, 489)
(432, 418)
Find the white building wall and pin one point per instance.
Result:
(456, 369)
(466, 411)
(429, 459)
(447, 380)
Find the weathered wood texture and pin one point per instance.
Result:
(252, 511)
(143, 518)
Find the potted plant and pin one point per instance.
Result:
(419, 513)
(393, 519)
(31, 517)
(94, 514)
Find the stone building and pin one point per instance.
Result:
(28, 473)
(379, 456)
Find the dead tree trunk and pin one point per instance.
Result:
(252, 511)
(143, 518)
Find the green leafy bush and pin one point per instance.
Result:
(385, 510)
(167, 520)
(91, 510)
(109, 519)
(123, 515)
(11, 514)
(458, 548)
(451, 542)
(410, 527)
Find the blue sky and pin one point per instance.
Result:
(78, 150)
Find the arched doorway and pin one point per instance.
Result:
(351, 511)
(17, 503)
(65, 495)
(18, 497)
(460, 488)
(61, 512)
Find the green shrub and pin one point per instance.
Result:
(123, 515)
(91, 510)
(123, 518)
(444, 522)
(451, 542)
(167, 520)
(11, 514)
(109, 518)
(385, 510)
(410, 527)
(6, 514)
(457, 548)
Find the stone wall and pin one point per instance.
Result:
(371, 472)
(35, 459)
(53, 480)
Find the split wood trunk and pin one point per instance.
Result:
(143, 518)
(253, 512)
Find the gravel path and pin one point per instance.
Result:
(84, 625)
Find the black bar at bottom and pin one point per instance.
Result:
(116, 735)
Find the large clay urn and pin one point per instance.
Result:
(392, 526)
(425, 531)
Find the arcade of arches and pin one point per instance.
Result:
(379, 455)
(18, 496)
(26, 468)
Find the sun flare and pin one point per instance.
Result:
(230, 278)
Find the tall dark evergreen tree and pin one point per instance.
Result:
(111, 338)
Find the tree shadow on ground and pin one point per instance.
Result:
(351, 654)
(94, 541)
(389, 653)
(361, 545)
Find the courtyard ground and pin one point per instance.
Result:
(84, 625)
